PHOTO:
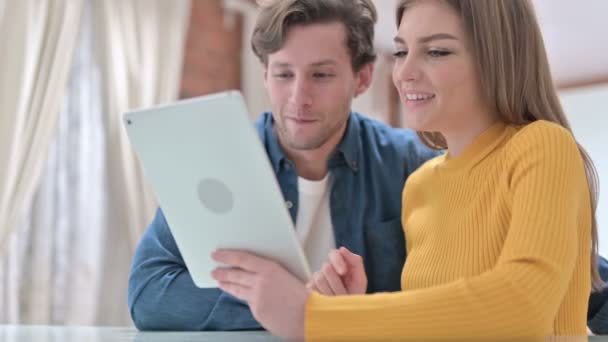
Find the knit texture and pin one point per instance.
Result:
(498, 241)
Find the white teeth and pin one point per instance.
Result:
(418, 97)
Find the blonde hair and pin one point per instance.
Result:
(515, 77)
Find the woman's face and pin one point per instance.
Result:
(434, 71)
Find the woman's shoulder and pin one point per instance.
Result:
(426, 170)
(543, 131)
(544, 149)
(541, 137)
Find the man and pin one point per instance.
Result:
(597, 315)
(341, 174)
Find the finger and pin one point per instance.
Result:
(321, 284)
(243, 260)
(337, 260)
(312, 287)
(333, 279)
(240, 292)
(233, 276)
(350, 258)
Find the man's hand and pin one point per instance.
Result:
(344, 274)
(276, 298)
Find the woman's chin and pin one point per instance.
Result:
(418, 122)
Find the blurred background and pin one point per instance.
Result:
(73, 199)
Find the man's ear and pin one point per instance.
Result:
(266, 77)
(364, 78)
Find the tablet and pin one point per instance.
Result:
(214, 182)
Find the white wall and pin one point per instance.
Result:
(587, 110)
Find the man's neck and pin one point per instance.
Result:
(312, 164)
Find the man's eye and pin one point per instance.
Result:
(321, 75)
(283, 75)
(400, 54)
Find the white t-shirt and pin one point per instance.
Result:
(313, 222)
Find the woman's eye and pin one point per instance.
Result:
(438, 53)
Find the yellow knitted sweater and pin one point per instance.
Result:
(498, 243)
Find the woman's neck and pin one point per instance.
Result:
(459, 139)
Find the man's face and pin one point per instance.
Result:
(311, 84)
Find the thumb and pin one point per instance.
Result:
(352, 259)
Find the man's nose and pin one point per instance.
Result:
(301, 93)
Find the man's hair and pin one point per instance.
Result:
(276, 17)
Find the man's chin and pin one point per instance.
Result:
(305, 145)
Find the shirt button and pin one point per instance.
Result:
(289, 204)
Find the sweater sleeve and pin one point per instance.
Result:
(520, 296)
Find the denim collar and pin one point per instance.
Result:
(347, 151)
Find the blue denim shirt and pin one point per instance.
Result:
(369, 168)
(597, 315)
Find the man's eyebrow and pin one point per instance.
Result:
(324, 62)
(280, 65)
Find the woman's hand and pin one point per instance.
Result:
(343, 274)
(276, 298)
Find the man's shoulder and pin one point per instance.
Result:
(380, 136)
(603, 268)
(262, 122)
(376, 131)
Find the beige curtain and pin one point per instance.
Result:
(68, 259)
(141, 47)
(37, 40)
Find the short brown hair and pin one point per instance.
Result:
(277, 16)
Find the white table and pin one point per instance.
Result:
(38, 333)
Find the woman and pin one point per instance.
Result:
(500, 230)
